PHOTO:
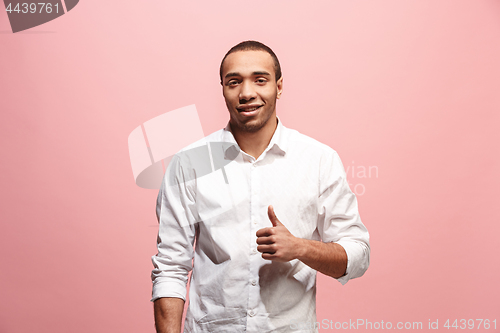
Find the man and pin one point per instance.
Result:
(282, 194)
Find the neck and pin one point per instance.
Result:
(254, 143)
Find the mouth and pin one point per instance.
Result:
(249, 110)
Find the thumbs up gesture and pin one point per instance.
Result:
(276, 242)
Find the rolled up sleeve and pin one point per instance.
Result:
(176, 234)
(339, 219)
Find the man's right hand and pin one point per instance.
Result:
(168, 314)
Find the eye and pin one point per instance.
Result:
(261, 81)
(232, 83)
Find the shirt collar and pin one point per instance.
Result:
(278, 144)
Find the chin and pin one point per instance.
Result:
(253, 127)
(250, 126)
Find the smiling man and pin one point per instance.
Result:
(286, 198)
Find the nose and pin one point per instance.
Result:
(247, 92)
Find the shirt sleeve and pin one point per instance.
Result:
(176, 234)
(339, 219)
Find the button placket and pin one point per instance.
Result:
(254, 294)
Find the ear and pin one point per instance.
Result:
(279, 87)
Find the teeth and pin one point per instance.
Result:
(252, 109)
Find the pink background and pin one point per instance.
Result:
(410, 88)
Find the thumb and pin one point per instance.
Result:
(272, 216)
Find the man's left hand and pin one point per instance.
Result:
(276, 242)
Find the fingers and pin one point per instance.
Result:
(268, 256)
(272, 216)
(266, 237)
(266, 240)
(264, 232)
(267, 249)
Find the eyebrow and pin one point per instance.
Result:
(232, 74)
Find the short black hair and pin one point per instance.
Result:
(252, 45)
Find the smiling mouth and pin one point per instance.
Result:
(249, 109)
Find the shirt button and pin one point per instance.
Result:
(253, 282)
(254, 251)
(251, 313)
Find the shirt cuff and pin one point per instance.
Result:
(168, 289)
(357, 262)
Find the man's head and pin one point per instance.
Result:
(252, 45)
(250, 85)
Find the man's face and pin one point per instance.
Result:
(250, 89)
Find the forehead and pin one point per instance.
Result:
(247, 62)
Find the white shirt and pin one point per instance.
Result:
(232, 288)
